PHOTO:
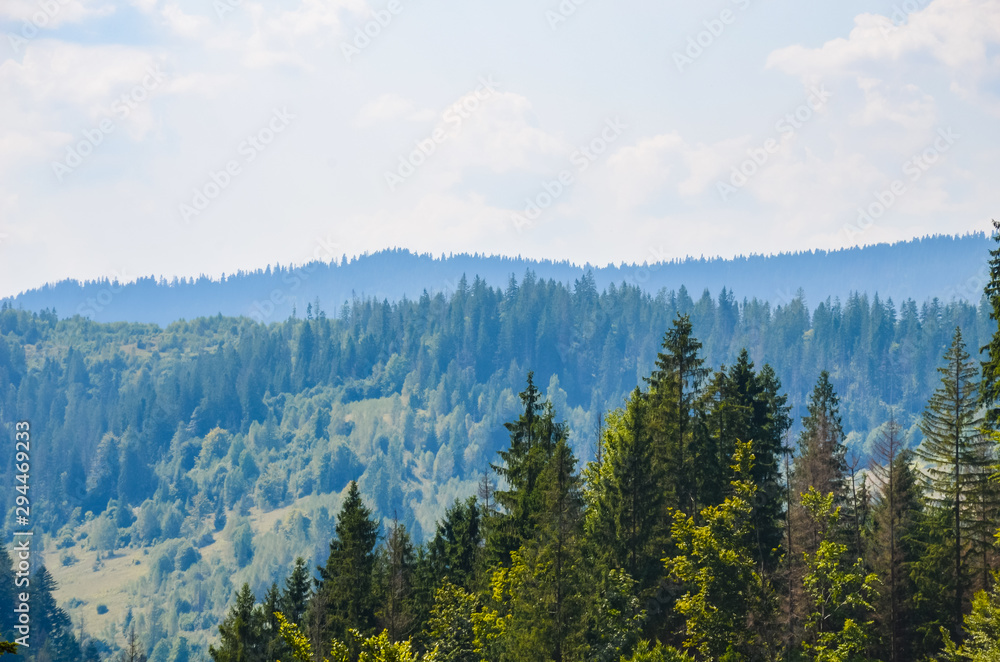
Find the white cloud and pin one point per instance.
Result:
(389, 107)
(54, 13)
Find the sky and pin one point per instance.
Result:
(187, 137)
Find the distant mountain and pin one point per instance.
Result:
(946, 267)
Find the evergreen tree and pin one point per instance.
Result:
(295, 597)
(748, 405)
(624, 493)
(897, 513)
(729, 608)
(676, 391)
(989, 390)
(533, 438)
(455, 550)
(839, 625)
(273, 644)
(396, 583)
(51, 628)
(958, 463)
(982, 631)
(537, 607)
(7, 592)
(820, 463)
(345, 595)
(932, 572)
(132, 652)
(241, 633)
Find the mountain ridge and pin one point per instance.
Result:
(937, 266)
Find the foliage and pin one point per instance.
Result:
(730, 606)
(841, 593)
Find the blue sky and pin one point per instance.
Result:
(179, 137)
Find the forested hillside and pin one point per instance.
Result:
(940, 267)
(182, 462)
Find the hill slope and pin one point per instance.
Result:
(922, 269)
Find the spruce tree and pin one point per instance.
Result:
(345, 596)
(820, 462)
(52, 629)
(729, 607)
(395, 570)
(989, 390)
(272, 642)
(241, 633)
(7, 591)
(295, 597)
(533, 438)
(625, 520)
(548, 577)
(749, 405)
(958, 462)
(897, 513)
(676, 386)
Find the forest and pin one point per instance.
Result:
(706, 479)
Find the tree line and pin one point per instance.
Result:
(698, 532)
(157, 435)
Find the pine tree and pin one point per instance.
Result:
(625, 503)
(132, 652)
(345, 596)
(676, 391)
(989, 390)
(52, 630)
(820, 462)
(533, 438)
(396, 579)
(295, 598)
(6, 594)
(541, 598)
(897, 513)
(241, 633)
(957, 461)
